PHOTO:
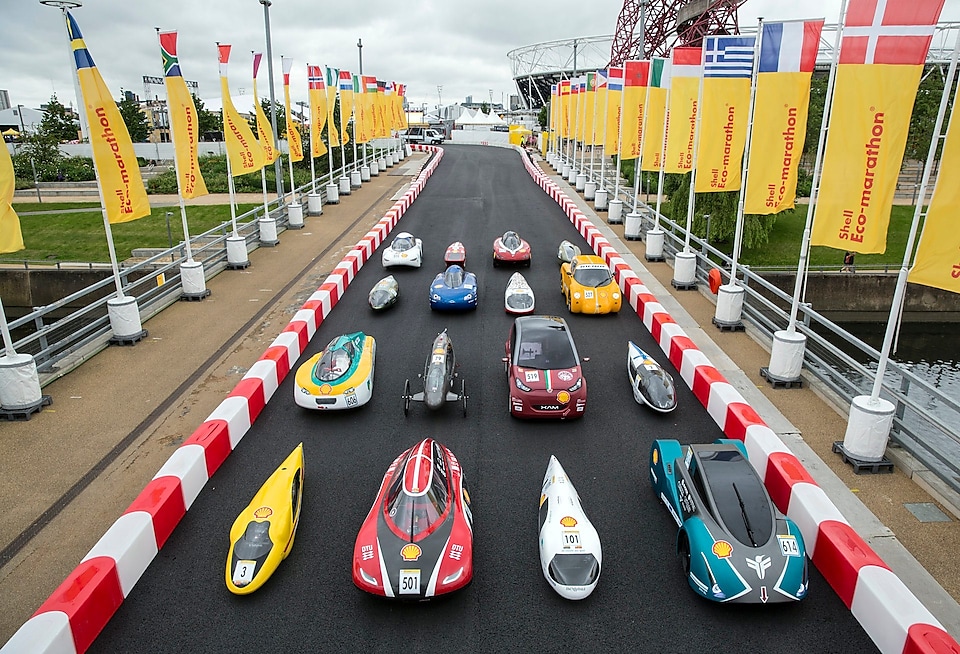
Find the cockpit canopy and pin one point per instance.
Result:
(416, 501)
(336, 360)
(510, 240)
(453, 276)
(403, 242)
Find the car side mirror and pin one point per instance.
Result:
(585, 359)
(505, 359)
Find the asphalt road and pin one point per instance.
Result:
(642, 602)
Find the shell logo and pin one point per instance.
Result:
(563, 397)
(325, 389)
(410, 552)
(263, 512)
(543, 498)
(722, 549)
(568, 521)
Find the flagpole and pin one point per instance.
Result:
(643, 136)
(691, 198)
(603, 156)
(263, 172)
(593, 140)
(615, 206)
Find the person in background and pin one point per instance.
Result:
(848, 263)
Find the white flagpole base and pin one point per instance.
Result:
(237, 252)
(580, 182)
(400, 155)
(268, 226)
(408, 149)
(333, 194)
(192, 281)
(295, 215)
(372, 171)
(685, 271)
(383, 163)
(729, 305)
(125, 319)
(631, 227)
(356, 177)
(600, 201)
(786, 355)
(19, 383)
(314, 207)
(590, 190)
(344, 185)
(615, 212)
(868, 428)
(565, 171)
(654, 245)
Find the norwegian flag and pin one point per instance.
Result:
(615, 78)
(346, 80)
(790, 46)
(315, 78)
(889, 31)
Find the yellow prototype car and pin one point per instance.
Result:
(262, 535)
(588, 285)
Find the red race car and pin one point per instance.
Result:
(543, 369)
(455, 253)
(510, 248)
(417, 540)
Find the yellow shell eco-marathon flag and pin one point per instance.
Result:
(380, 99)
(293, 136)
(564, 108)
(589, 107)
(727, 70)
(656, 114)
(636, 76)
(333, 79)
(882, 51)
(937, 262)
(346, 104)
(682, 112)
(611, 139)
(318, 110)
(11, 238)
(264, 129)
(184, 122)
(402, 90)
(124, 196)
(788, 53)
(243, 152)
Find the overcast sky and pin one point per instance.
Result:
(461, 46)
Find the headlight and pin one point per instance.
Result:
(367, 578)
(523, 387)
(576, 295)
(468, 297)
(576, 387)
(436, 297)
(616, 296)
(452, 578)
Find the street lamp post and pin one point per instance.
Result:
(360, 54)
(439, 100)
(36, 182)
(278, 171)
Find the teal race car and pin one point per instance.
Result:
(734, 544)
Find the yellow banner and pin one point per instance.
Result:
(184, 125)
(346, 110)
(599, 126)
(294, 143)
(318, 118)
(723, 134)
(656, 113)
(682, 124)
(612, 136)
(634, 100)
(11, 239)
(245, 154)
(264, 129)
(868, 132)
(938, 255)
(589, 105)
(332, 136)
(779, 130)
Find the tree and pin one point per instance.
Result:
(281, 117)
(484, 107)
(135, 120)
(59, 123)
(207, 121)
(543, 116)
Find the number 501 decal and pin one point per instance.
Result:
(410, 582)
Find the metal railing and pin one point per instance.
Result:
(926, 421)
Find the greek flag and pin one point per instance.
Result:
(728, 56)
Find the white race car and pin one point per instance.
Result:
(404, 251)
(570, 553)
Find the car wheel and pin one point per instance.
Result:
(683, 551)
(406, 397)
(463, 396)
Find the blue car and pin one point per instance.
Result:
(734, 545)
(454, 290)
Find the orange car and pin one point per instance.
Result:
(588, 285)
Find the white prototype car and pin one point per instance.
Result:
(570, 553)
(518, 298)
(404, 251)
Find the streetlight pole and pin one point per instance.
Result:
(65, 6)
(360, 54)
(439, 100)
(278, 170)
(36, 183)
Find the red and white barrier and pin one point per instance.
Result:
(886, 609)
(77, 611)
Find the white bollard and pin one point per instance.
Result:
(125, 318)
(389, 160)
(685, 269)
(655, 244)
(729, 305)
(237, 252)
(192, 280)
(408, 149)
(615, 212)
(268, 227)
(600, 201)
(356, 177)
(19, 383)
(631, 226)
(344, 185)
(590, 190)
(314, 205)
(333, 194)
(400, 155)
(579, 182)
(372, 171)
(868, 428)
(786, 355)
(565, 171)
(295, 215)
(382, 162)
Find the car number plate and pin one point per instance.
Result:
(789, 545)
(410, 582)
(243, 573)
(588, 294)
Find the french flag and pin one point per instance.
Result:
(790, 47)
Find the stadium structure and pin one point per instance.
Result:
(651, 28)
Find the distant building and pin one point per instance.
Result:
(4, 99)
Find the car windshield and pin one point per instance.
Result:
(545, 348)
(520, 301)
(403, 243)
(255, 542)
(510, 240)
(453, 277)
(659, 388)
(599, 276)
(335, 361)
(574, 569)
(740, 497)
(414, 515)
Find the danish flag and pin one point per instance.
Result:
(889, 31)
